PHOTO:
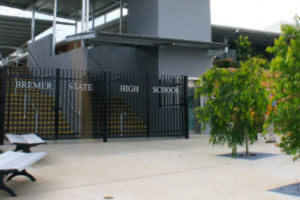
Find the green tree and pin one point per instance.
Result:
(243, 49)
(236, 104)
(286, 88)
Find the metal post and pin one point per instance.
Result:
(36, 124)
(83, 16)
(3, 79)
(226, 48)
(76, 31)
(104, 110)
(16, 79)
(25, 103)
(57, 93)
(87, 17)
(33, 26)
(186, 113)
(121, 123)
(121, 16)
(148, 104)
(93, 19)
(54, 28)
(1, 61)
(83, 20)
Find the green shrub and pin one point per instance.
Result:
(224, 63)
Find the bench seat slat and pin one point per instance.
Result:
(32, 139)
(19, 161)
(24, 139)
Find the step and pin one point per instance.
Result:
(28, 129)
(127, 131)
(32, 113)
(30, 109)
(28, 118)
(36, 103)
(119, 113)
(53, 133)
(128, 127)
(35, 99)
(40, 123)
(48, 133)
(21, 94)
(126, 122)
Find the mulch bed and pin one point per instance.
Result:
(252, 156)
(292, 189)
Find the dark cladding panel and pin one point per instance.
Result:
(123, 59)
(143, 17)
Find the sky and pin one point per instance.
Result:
(251, 14)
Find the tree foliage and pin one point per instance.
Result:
(236, 104)
(286, 88)
(243, 48)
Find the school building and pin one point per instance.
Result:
(129, 77)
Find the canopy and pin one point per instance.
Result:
(70, 9)
(130, 39)
(16, 31)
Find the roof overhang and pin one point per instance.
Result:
(141, 40)
(69, 9)
(219, 33)
(256, 37)
(16, 31)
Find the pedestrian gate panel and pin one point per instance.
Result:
(70, 104)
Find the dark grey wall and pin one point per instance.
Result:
(182, 19)
(135, 59)
(143, 17)
(129, 59)
(183, 61)
(41, 52)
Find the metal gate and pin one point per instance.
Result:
(70, 104)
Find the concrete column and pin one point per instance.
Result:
(54, 28)
(188, 19)
(33, 26)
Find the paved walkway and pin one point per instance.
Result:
(155, 169)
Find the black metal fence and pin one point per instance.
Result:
(68, 104)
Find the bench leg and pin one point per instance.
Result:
(22, 173)
(24, 148)
(5, 188)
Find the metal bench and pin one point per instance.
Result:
(24, 142)
(14, 164)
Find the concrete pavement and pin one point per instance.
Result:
(153, 169)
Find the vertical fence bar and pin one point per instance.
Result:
(7, 76)
(182, 106)
(186, 114)
(57, 94)
(3, 79)
(148, 103)
(25, 103)
(104, 114)
(76, 101)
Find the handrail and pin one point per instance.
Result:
(70, 104)
(6, 61)
(96, 63)
(36, 115)
(36, 66)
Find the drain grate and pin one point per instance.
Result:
(108, 197)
